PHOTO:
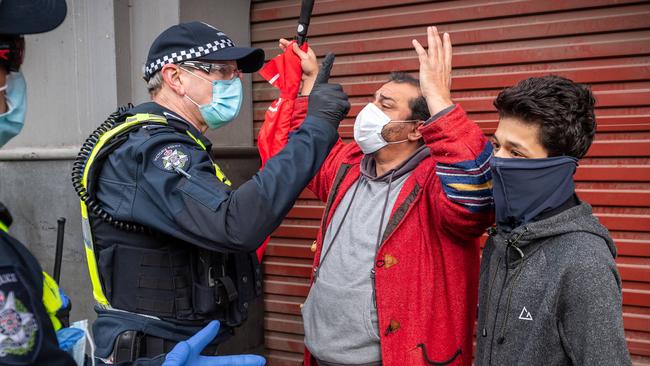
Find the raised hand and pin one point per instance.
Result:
(307, 59)
(435, 70)
(328, 101)
(308, 64)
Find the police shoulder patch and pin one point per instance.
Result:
(172, 157)
(19, 330)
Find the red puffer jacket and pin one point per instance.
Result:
(428, 267)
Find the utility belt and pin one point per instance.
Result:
(131, 345)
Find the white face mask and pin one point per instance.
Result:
(368, 126)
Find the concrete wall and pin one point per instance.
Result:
(76, 76)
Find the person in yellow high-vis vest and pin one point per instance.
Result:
(170, 243)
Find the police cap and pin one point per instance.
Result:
(199, 41)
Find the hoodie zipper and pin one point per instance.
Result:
(510, 242)
(489, 296)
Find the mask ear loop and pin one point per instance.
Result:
(396, 142)
(192, 100)
(187, 96)
(4, 87)
(405, 121)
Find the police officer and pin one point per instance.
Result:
(27, 332)
(170, 243)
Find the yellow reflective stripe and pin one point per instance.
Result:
(89, 248)
(217, 170)
(84, 210)
(146, 117)
(52, 299)
(4, 227)
(197, 140)
(98, 293)
(221, 176)
(102, 140)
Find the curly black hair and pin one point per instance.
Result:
(563, 110)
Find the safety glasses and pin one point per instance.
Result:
(12, 51)
(224, 71)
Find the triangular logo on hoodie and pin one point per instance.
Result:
(525, 314)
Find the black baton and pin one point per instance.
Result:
(58, 256)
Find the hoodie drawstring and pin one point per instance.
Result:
(336, 233)
(378, 243)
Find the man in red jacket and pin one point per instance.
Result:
(395, 274)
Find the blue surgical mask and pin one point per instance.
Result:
(227, 96)
(11, 122)
(524, 188)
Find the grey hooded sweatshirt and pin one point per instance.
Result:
(550, 294)
(340, 317)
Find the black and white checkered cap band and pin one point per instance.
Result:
(192, 53)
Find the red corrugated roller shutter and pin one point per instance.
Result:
(496, 43)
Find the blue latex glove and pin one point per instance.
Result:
(68, 337)
(65, 300)
(188, 353)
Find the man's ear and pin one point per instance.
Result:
(172, 76)
(416, 134)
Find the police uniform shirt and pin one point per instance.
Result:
(164, 179)
(161, 177)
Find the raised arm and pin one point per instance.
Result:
(457, 144)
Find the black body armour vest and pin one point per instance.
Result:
(140, 270)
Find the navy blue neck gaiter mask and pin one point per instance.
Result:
(524, 188)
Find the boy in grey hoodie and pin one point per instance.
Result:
(550, 293)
